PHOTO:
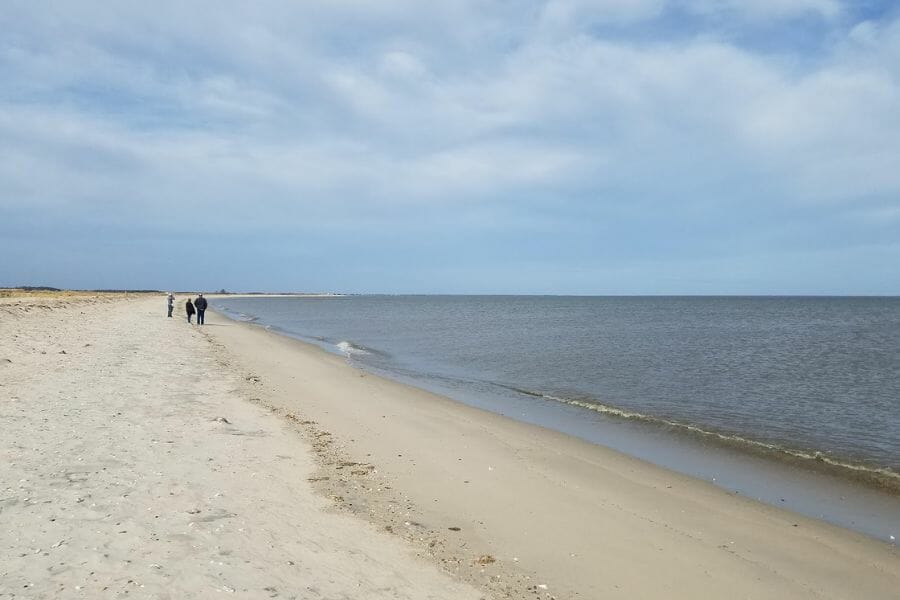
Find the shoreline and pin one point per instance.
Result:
(872, 476)
(541, 507)
(868, 474)
(865, 501)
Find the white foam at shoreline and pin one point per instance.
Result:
(349, 349)
(884, 476)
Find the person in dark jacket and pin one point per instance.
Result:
(170, 302)
(189, 307)
(200, 305)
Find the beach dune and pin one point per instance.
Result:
(144, 455)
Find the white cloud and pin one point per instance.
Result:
(567, 15)
(765, 10)
(340, 104)
(402, 65)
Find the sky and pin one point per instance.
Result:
(400, 146)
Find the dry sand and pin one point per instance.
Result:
(118, 473)
(132, 465)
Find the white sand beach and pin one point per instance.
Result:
(147, 457)
(134, 466)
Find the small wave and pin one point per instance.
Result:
(884, 477)
(235, 314)
(350, 349)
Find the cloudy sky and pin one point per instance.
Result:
(559, 146)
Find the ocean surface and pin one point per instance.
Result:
(811, 383)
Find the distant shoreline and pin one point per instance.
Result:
(30, 290)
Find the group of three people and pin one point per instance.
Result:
(198, 306)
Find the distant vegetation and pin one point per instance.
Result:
(45, 288)
(125, 291)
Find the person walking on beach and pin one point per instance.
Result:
(200, 305)
(189, 307)
(171, 301)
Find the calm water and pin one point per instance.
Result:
(812, 381)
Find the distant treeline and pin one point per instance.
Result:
(45, 288)
(223, 291)
(125, 291)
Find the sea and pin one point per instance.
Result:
(794, 401)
